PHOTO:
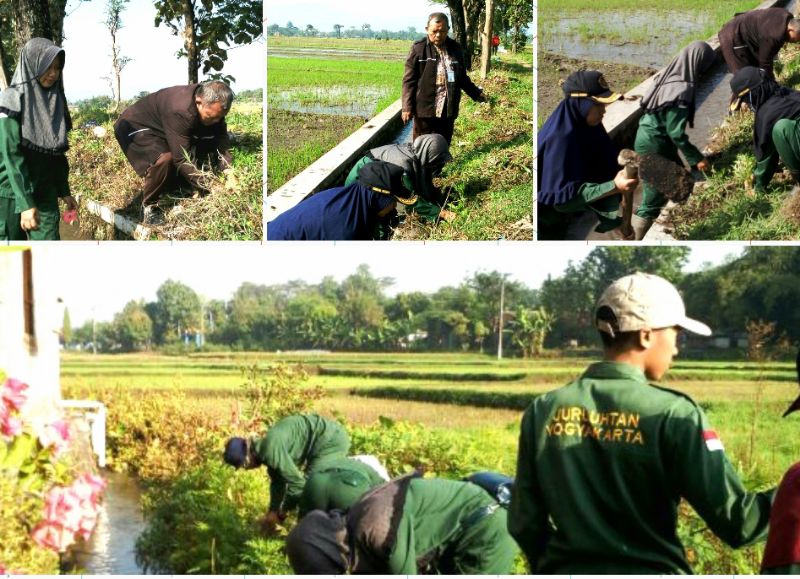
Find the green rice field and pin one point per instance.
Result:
(470, 404)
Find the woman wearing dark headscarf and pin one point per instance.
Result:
(34, 121)
(352, 212)
(669, 106)
(577, 162)
(421, 161)
(776, 131)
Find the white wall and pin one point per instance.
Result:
(41, 370)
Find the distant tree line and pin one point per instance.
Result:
(511, 21)
(341, 31)
(357, 313)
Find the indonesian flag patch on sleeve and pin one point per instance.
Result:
(712, 440)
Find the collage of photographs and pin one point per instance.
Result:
(299, 287)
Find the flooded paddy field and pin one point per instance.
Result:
(623, 31)
(314, 102)
(387, 49)
(554, 67)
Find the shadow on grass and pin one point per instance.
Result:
(516, 68)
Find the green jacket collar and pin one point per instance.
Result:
(615, 371)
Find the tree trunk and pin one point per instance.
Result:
(190, 40)
(458, 26)
(58, 9)
(5, 78)
(516, 36)
(472, 17)
(116, 67)
(486, 48)
(31, 20)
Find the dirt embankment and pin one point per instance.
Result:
(553, 67)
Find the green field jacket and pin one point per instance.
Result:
(303, 441)
(446, 526)
(338, 485)
(664, 132)
(603, 463)
(30, 178)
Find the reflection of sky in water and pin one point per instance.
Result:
(111, 550)
(561, 35)
(350, 101)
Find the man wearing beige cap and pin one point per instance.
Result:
(604, 461)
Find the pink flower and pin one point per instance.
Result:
(53, 536)
(55, 434)
(10, 426)
(12, 393)
(97, 484)
(70, 511)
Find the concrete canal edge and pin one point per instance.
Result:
(622, 118)
(128, 227)
(333, 165)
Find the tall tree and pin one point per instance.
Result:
(31, 20)
(338, 29)
(209, 28)
(114, 9)
(132, 327)
(7, 45)
(177, 309)
(486, 44)
(66, 329)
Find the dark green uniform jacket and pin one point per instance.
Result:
(427, 210)
(663, 132)
(29, 179)
(606, 460)
(338, 485)
(452, 527)
(296, 441)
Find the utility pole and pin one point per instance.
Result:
(94, 331)
(502, 305)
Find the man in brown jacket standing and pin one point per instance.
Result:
(754, 38)
(434, 77)
(165, 135)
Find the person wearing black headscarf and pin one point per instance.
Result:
(34, 122)
(669, 106)
(577, 162)
(776, 130)
(352, 212)
(420, 161)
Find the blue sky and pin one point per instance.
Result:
(88, 47)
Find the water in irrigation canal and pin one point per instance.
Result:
(111, 550)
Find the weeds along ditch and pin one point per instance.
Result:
(202, 517)
(724, 207)
(231, 211)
